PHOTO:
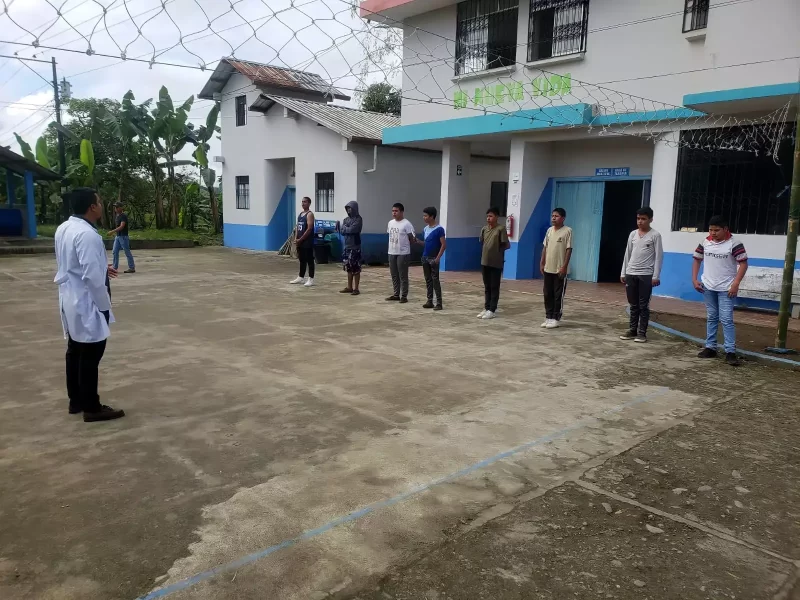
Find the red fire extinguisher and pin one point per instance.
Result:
(510, 225)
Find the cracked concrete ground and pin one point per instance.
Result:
(258, 411)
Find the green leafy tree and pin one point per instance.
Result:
(382, 98)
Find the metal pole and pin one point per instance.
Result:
(62, 156)
(791, 243)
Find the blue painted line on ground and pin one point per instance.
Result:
(702, 342)
(371, 508)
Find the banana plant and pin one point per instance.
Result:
(209, 177)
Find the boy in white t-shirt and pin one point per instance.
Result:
(401, 234)
(724, 261)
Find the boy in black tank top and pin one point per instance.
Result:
(305, 243)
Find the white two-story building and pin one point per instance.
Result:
(592, 105)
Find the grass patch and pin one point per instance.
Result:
(204, 239)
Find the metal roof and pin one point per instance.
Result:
(20, 164)
(351, 123)
(268, 76)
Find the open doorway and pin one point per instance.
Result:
(620, 202)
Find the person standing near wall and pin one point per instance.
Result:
(641, 272)
(554, 267)
(494, 241)
(401, 234)
(304, 240)
(122, 241)
(351, 255)
(724, 261)
(435, 243)
(84, 303)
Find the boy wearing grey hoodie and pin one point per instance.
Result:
(351, 255)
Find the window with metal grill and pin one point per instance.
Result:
(324, 192)
(241, 110)
(557, 28)
(695, 15)
(750, 190)
(486, 35)
(243, 192)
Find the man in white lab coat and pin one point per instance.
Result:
(84, 300)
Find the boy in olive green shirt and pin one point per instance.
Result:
(554, 267)
(494, 242)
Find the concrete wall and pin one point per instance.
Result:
(623, 58)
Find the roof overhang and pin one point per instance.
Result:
(392, 12)
(19, 164)
(762, 98)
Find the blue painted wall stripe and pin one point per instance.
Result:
(371, 508)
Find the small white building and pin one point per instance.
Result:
(532, 83)
(282, 140)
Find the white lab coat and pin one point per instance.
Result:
(81, 280)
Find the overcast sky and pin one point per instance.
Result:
(314, 35)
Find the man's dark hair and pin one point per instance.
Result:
(718, 221)
(493, 210)
(560, 211)
(305, 198)
(399, 205)
(645, 211)
(80, 199)
(430, 211)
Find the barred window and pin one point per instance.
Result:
(241, 110)
(557, 28)
(324, 192)
(695, 15)
(751, 191)
(486, 35)
(243, 192)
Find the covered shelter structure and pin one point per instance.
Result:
(19, 220)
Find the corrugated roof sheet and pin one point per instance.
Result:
(268, 76)
(19, 164)
(351, 123)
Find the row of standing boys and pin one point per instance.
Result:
(724, 258)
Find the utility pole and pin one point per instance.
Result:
(791, 247)
(62, 157)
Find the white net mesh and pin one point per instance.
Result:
(329, 38)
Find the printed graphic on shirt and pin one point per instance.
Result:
(720, 260)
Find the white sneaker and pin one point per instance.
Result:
(309, 282)
(297, 280)
(480, 314)
(553, 324)
(545, 324)
(488, 315)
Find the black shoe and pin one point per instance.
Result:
(640, 339)
(438, 307)
(628, 335)
(403, 300)
(707, 353)
(730, 358)
(346, 291)
(355, 293)
(393, 298)
(428, 304)
(74, 411)
(129, 271)
(106, 413)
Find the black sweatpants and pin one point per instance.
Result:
(83, 362)
(306, 256)
(639, 288)
(491, 287)
(555, 287)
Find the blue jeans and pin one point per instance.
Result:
(719, 309)
(124, 242)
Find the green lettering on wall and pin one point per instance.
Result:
(501, 93)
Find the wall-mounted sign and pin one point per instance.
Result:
(552, 86)
(458, 170)
(612, 172)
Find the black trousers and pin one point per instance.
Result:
(555, 288)
(491, 287)
(83, 361)
(432, 283)
(306, 256)
(639, 288)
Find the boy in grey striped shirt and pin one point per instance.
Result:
(641, 272)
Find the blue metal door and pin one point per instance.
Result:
(583, 202)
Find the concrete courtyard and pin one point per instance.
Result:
(291, 443)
